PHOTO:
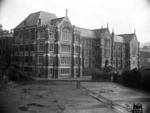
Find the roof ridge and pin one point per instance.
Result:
(40, 12)
(99, 29)
(126, 34)
(83, 28)
(58, 18)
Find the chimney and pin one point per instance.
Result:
(107, 25)
(11, 31)
(39, 23)
(25, 23)
(113, 31)
(102, 27)
(134, 31)
(66, 12)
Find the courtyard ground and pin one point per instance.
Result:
(118, 96)
(49, 97)
(62, 96)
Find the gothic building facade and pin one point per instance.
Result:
(47, 46)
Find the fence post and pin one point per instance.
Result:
(78, 85)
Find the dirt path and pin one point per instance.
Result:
(120, 95)
(48, 97)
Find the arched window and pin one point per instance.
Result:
(66, 34)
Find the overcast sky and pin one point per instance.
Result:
(122, 15)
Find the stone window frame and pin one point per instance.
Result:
(40, 59)
(66, 34)
(51, 71)
(52, 35)
(41, 34)
(65, 49)
(65, 60)
(51, 60)
(39, 48)
(51, 47)
(77, 38)
(77, 60)
(65, 71)
(77, 49)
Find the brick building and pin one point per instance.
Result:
(125, 51)
(47, 46)
(6, 39)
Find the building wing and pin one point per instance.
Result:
(127, 37)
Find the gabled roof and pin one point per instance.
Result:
(33, 19)
(57, 21)
(102, 30)
(99, 31)
(86, 32)
(119, 39)
(127, 37)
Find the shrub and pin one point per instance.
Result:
(118, 78)
(14, 77)
(132, 78)
(17, 75)
(146, 80)
(99, 74)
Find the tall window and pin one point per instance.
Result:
(107, 52)
(31, 47)
(51, 60)
(52, 34)
(26, 48)
(107, 43)
(66, 34)
(21, 48)
(51, 47)
(97, 43)
(65, 70)
(16, 33)
(51, 71)
(77, 38)
(32, 33)
(40, 59)
(65, 48)
(114, 62)
(114, 54)
(26, 59)
(21, 34)
(86, 61)
(27, 34)
(41, 47)
(41, 34)
(86, 52)
(16, 48)
(65, 60)
(77, 60)
(93, 44)
(77, 49)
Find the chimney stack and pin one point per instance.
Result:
(134, 31)
(11, 30)
(39, 23)
(107, 25)
(25, 23)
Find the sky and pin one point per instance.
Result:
(124, 16)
